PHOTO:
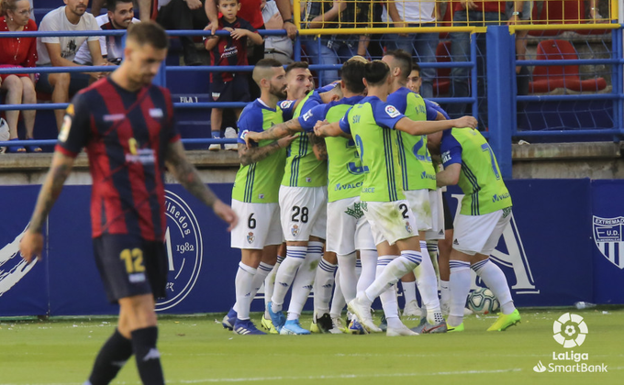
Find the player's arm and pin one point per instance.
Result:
(427, 127)
(32, 244)
(318, 146)
(276, 132)
(249, 155)
(450, 175)
(324, 129)
(187, 175)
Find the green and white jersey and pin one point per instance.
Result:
(302, 168)
(345, 173)
(259, 182)
(415, 160)
(371, 124)
(480, 178)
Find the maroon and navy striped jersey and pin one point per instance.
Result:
(229, 51)
(126, 136)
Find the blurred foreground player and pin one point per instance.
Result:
(127, 127)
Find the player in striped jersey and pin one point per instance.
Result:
(255, 194)
(485, 213)
(418, 180)
(370, 123)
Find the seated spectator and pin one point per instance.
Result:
(181, 15)
(18, 53)
(414, 81)
(119, 16)
(228, 51)
(279, 48)
(60, 52)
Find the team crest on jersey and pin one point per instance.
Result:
(408, 227)
(392, 111)
(260, 196)
(216, 95)
(608, 239)
(308, 180)
(250, 237)
(294, 230)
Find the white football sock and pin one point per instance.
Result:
(445, 294)
(261, 273)
(388, 297)
(338, 300)
(409, 291)
(243, 282)
(432, 248)
(496, 281)
(401, 265)
(304, 281)
(348, 277)
(368, 259)
(428, 285)
(460, 286)
(269, 284)
(323, 285)
(295, 255)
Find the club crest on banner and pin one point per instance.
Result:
(608, 239)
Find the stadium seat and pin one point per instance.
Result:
(548, 78)
(442, 81)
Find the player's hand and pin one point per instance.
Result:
(468, 4)
(250, 138)
(466, 121)
(212, 27)
(401, 24)
(513, 20)
(286, 141)
(194, 4)
(291, 30)
(318, 128)
(31, 246)
(238, 33)
(226, 213)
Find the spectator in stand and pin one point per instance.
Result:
(120, 15)
(414, 81)
(229, 51)
(60, 52)
(147, 8)
(279, 48)
(183, 15)
(18, 53)
(415, 14)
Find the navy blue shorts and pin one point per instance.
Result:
(448, 217)
(131, 266)
(236, 90)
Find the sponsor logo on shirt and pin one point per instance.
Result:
(143, 156)
(446, 156)
(113, 117)
(156, 113)
(392, 111)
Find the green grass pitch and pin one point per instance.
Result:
(196, 350)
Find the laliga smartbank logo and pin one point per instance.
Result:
(570, 331)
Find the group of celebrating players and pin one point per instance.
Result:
(344, 175)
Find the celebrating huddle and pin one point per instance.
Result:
(344, 175)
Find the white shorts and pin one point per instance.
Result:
(303, 212)
(479, 234)
(390, 221)
(258, 225)
(421, 207)
(347, 227)
(437, 216)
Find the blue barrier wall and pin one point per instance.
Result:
(555, 252)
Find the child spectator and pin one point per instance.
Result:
(227, 86)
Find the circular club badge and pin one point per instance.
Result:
(184, 244)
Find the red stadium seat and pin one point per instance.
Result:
(442, 81)
(548, 78)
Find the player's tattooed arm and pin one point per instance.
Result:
(32, 244)
(276, 132)
(249, 155)
(318, 146)
(450, 175)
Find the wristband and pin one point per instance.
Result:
(516, 14)
(289, 21)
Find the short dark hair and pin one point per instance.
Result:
(297, 64)
(352, 74)
(111, 5)
(415, 67)
(218, 1)
(148, 32)
(376, 72)
(404, 60)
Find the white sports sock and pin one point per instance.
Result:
(269, 285)
(295, 255)
(304, 280)
(348, 277)
(400, 266)
(445, 291)
(432, 248)
(460, 286)
(427, 282)
(496, 281)
(368, 259)
(338, 300)
(243, 282)
(323, 285)
(261, 273)
(358, 267)
(409, 291)
(388, 297)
